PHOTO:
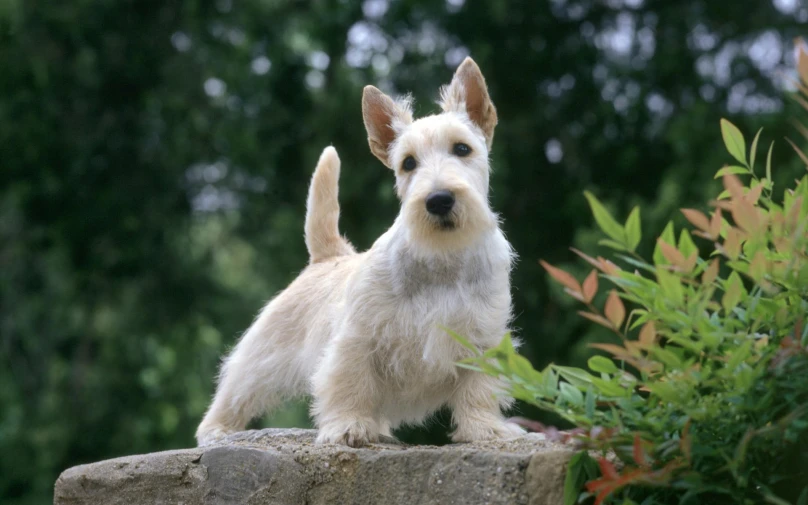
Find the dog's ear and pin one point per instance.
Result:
(468, 94)
(384, 120)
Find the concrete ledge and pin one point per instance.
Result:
(285, 467)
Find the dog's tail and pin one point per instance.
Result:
(322, 211)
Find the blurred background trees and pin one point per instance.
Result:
(154, 159)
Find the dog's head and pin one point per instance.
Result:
(440, 161)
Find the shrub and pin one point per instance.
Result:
(705, 397)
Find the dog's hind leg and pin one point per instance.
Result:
(254, 379)
(266, 367)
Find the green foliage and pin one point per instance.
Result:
(705, 398)
(734, 141)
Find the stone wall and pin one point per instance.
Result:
(285, 467)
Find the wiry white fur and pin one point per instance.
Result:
(362, 332)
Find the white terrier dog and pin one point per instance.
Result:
(361, 332)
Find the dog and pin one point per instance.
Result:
(365, 333)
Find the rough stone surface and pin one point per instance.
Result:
(285, 467)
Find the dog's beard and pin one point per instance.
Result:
(430, 224)
(446, 223)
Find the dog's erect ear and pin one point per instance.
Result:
(468, 94)
(384, 120)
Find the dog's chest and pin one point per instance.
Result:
(466, 295)
(418, 278)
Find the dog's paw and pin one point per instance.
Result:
(211, 436)
(478, 431)
(515, 430)
(352, 433)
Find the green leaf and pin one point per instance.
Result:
(580, 469)
(769, 162)
(753, 151)
(732, 169)
(468, 366)
(522, 367)
(637, 263)
(667, 357)
(462, 341)
(686, 244)
(770, 497)
(601, 364)
(733, 140)
(733, 292)
(506, 345)
(550, 383)
(609, 388)
(671, 286)
(612, 244)
(633, 230)
(739, 355)
(802, 500)
(644, 318)
(571, 395)
(667, 236)
(666, 391)
(575, 376)
(589, 403)
(605, 220)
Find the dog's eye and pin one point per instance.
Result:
(460, 149)
(409, 164)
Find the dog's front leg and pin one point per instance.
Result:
(347, 393)
(476, 410)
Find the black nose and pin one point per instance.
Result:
(440, 203)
